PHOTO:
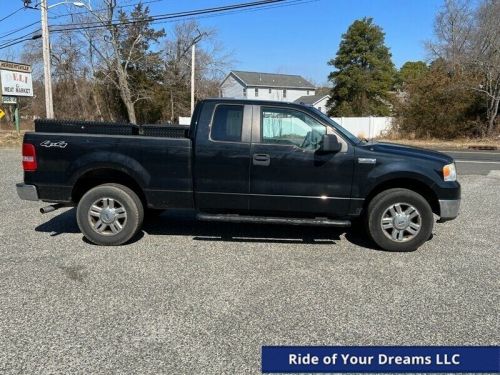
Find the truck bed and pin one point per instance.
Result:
(161, 165)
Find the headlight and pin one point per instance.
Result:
(450, 172)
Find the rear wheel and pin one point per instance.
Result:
(110, 214)
(399, 220)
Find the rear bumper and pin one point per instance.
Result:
(449, 209)
(27, 192)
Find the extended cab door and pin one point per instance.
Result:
(288, 176)
(222, 158)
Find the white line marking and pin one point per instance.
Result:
(469, 152)
(477, 162)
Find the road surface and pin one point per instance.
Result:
(476, 162)
(188, 297)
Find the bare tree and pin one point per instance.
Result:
(210, 63)
(453, 29)
(484, 57)
(108, 70)
(122, 47)
(468, 39)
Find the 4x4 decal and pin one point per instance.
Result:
(60, 144)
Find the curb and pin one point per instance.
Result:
(486, 148)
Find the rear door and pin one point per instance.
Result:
(288, 175)
(222, 158)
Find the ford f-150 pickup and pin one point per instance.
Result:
(239, 161)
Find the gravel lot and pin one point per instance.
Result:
(202, 298)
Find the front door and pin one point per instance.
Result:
(288, 176)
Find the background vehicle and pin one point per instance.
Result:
(240, 161)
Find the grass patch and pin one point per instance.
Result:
(458, 144)
(11, 138)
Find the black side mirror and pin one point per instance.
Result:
(329, 143)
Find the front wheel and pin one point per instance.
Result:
(399, 220)
(110, 214)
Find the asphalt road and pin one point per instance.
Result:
(475, 162)
(201, 298)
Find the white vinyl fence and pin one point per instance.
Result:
(363, 127)
(366, 127)
(184, 120)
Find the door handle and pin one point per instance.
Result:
(261, 159)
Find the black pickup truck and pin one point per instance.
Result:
(239, 161)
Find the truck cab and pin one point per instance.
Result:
(267, 159)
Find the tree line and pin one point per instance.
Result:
(122, 68)
(456, 93)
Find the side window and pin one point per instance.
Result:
(227, 123)
(290, 127)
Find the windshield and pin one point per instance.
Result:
(341, 129)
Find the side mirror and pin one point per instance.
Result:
(329, 143)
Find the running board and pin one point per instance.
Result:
(273, 220)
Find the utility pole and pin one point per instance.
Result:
(193, 61)
(49, 106)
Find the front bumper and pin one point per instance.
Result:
(448, 209)
(27, 192)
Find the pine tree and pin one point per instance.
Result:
(411, 71)
(364, 72)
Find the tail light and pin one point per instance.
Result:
(29, 157)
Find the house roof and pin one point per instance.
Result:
(256, 79)
(311, 99)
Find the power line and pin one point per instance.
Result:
(14, 31)
(11, 32)
(20, 41)
(288, 4)
(21, 38)
(103, 9)
(99, 24)
(165, 18)
(10, 15)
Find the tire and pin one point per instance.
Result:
(110, 214)
(399, 220)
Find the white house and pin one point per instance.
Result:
(317, 101)
(267, 86)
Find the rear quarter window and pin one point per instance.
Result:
(227, 123)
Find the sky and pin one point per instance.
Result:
(292, 39)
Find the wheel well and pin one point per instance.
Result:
(101, 176)
(410, 184)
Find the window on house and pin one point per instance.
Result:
(244, 91)
(307, 92)
(270, 91)
(319, 108)
(284, 93)
(227, 123)
(256, 92)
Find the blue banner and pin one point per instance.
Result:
(321, 359)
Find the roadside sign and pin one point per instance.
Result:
(9, 99)
(15, 67)
(16, 83)
(16, 79)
